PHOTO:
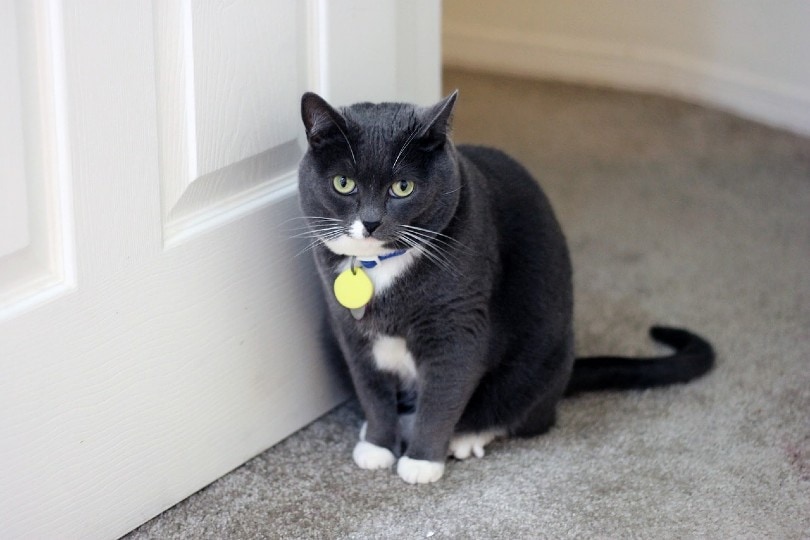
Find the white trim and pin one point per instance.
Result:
(63, 256)
(189, 94)
(648, 69)
(318, 47)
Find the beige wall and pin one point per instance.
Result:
(749, 56)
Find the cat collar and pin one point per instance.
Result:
(371, 263)
(353, 288)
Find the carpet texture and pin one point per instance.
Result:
(676, 214)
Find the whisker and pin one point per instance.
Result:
(309, 218)
(312, 233)
(333, 235)
(430, 252)
(312, 223)
(447, 240)
(424, 248)
(422, 229)
(310, 228)
(309, 247)
(318, 229)
(434, 253)
(448, 258)
(446, 245)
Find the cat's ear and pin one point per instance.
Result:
(437, 123)
(321, 121)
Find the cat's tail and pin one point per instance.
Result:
(692, 358)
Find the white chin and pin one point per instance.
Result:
(367, 247)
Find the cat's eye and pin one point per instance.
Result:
(344, 185)
(401, 189)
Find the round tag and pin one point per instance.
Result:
(353, 289)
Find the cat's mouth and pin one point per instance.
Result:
(358, 247)
(357, 241)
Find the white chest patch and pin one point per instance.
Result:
(391, 354)
(383, 275)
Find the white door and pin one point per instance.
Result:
(156, 326)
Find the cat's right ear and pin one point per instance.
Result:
(321, 121)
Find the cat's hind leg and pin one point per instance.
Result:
(540, 418)
(465, 445)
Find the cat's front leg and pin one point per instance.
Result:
(370, 456)
(446, 385)
(379, 438)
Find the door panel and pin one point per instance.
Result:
(36, 228)
(156, 326)
(227, 74)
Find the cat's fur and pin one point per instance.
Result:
(469, 331)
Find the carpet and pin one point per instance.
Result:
(676, 214)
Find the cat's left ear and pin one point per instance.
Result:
(437, 126)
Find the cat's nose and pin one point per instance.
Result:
(371, 226)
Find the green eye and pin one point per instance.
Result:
(344, 185)
(401, 189)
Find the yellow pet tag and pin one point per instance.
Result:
(353, 288)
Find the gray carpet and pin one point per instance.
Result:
(675, 214)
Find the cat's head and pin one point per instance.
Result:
(377, 177)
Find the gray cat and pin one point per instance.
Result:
(448, 281)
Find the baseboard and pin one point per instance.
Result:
(589, 61)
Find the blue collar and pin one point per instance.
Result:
(373, 262)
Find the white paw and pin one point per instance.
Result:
(471, 444)
(419, 471)
(371, 456)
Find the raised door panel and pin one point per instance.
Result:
(36, 230)
(229, 75)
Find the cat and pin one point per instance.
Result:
(449, 288)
